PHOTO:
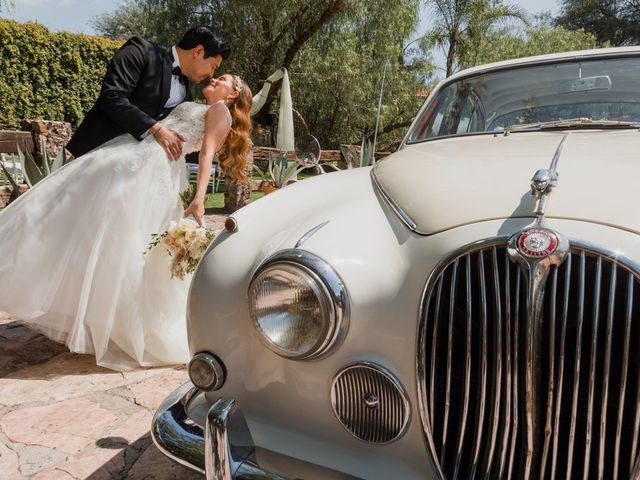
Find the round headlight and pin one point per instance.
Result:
(297, 305)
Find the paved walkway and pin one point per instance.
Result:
(64, 418)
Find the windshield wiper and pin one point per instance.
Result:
(571, 123)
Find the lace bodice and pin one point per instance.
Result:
(188, 120)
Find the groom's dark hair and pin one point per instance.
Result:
(205, 36)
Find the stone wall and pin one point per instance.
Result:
(261, 156)
(35, 137)
(48, 135)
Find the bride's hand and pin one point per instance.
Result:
(196, 209)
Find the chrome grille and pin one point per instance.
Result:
(370, 403)
(582, 416)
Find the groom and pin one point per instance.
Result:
(143, 83)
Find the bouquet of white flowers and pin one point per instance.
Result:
(185, 241)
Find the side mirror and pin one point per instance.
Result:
(308, 152)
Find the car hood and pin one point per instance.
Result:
(445, 183)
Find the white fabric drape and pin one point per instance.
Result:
(285, 139)
(260, 98)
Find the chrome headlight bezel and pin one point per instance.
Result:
(327, 281)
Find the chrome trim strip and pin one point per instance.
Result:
(509, 372)
(482, 391)
(404, 217)
(578, 359)
(516, 335)
(561, 362)
(531, 371)
(424, 401)
(497, 366)
(552, 361)
(467, 368)
(607, 367)
(625, 369)
(434, 349)
(331, 283)
(307, 235)
(592, 368)
(447, 401)
(636, 423)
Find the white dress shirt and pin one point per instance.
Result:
(178, 90)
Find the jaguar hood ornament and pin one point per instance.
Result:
(544, 181)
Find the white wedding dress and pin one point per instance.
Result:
(71, 249)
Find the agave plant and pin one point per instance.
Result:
(10, 177)
(30, 169)
(365, 159)
(280, 172)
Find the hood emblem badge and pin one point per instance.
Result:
(537, 243)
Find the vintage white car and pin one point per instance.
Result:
(467, 308)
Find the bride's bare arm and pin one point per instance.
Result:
(216, 127)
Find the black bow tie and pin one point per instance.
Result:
(181, 77)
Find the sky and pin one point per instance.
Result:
(77, 15)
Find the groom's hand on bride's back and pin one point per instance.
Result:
(168, 139)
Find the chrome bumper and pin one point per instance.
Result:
(223, 451)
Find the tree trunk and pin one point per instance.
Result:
(332, 8)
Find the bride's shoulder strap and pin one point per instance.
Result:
(219, 111)
(218, 123)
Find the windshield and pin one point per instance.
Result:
(602, 89)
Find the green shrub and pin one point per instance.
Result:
(47, 75)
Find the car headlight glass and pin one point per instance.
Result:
(296, 312)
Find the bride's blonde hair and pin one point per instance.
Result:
(234, 155)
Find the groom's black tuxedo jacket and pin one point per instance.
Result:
(134, 92)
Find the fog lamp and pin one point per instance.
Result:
(206, 372)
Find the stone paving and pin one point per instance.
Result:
(64, 418)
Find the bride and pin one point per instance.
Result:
(71, 248)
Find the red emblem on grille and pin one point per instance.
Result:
(537, 243)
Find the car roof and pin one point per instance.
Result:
(542, 59)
